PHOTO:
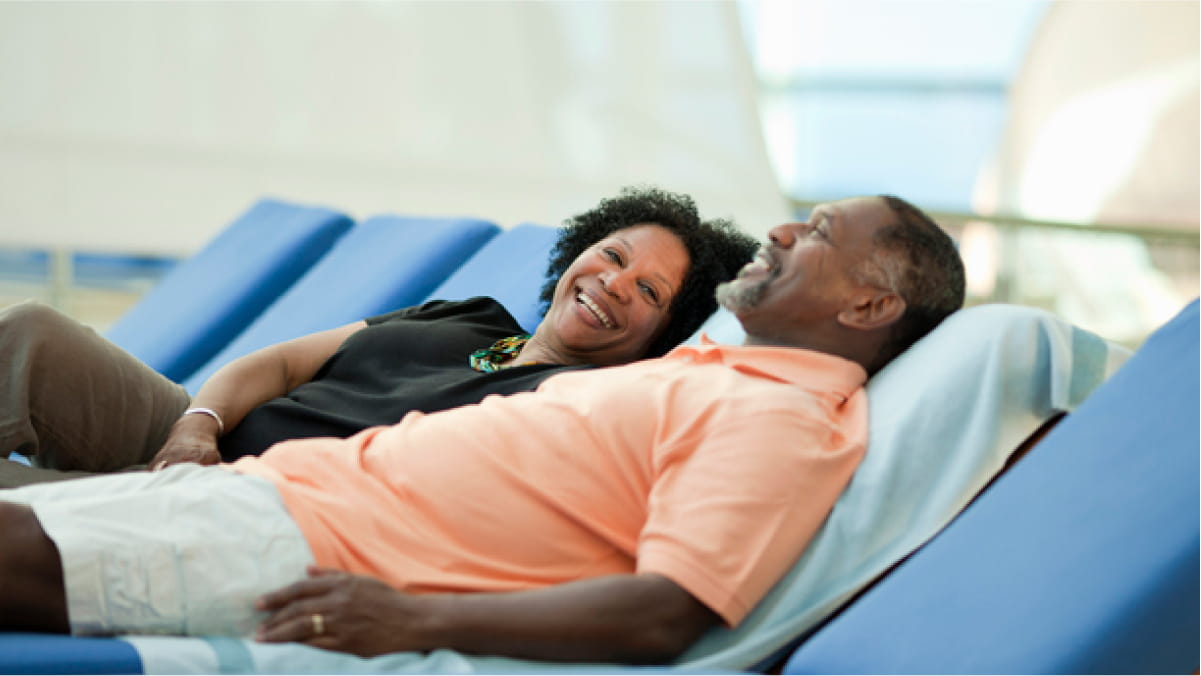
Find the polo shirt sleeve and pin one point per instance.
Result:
(736, 501)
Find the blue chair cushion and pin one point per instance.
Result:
(26, 653)
(511, 268)
(209, 298)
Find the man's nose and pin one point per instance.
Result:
(785, 235)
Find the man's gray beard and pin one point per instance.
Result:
(734, 296)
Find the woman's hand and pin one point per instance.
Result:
(192, 439)
(340, 611)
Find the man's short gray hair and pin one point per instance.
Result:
(918, 260)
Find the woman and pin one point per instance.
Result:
(627, 279)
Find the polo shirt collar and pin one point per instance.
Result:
(799, 366)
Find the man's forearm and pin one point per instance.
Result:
(623, 618)
(620, 618)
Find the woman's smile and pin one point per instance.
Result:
(595, 310)
(615, 297)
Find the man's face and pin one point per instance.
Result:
(805, 275)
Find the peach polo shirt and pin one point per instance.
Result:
(713, 466)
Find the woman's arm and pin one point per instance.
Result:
(641, 618)
(243, 384)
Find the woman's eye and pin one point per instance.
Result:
(613, 256)
(650, 292)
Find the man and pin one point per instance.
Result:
(622, 512)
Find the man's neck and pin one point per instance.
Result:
(848, 349)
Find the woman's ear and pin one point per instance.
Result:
(874, 309)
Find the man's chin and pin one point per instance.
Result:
(737, 296)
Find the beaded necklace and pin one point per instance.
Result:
(493, 359)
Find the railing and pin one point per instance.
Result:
(1009, 259)
(94, 288)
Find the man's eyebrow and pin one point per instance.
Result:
(833, 218)
(832, 215)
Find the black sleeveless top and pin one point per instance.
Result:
(413, 359)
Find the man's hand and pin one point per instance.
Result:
(637, 619)
(340, 611)
(192, 439)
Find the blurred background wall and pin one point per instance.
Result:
(146, 125)
(1058, 140)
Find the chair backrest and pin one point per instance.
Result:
(209, 298)
(510, 268)
(1082, 558)
(943, 418)
(382, 264)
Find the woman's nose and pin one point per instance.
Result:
(615, 283)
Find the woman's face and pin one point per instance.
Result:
(613, 300)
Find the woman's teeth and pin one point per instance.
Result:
(595, 309)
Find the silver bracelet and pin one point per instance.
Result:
(212, 414)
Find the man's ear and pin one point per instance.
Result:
(874, 309)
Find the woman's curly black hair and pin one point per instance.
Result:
(716, 251)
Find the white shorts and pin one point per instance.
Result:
(183, 551)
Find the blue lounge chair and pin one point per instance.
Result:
(511, 268)
(382, 264)
(209, 298)
(1081, 559)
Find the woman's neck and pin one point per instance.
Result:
(536, 351)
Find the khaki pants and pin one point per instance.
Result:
(73, 402)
